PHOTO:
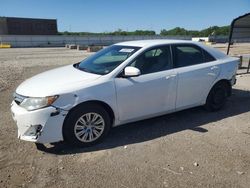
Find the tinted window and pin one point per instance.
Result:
(208, 57)
(154, 60)
(186, 55)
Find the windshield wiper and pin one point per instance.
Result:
(85, 69)
(76, 65)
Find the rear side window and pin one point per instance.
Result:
(187, 55)
(208, 57)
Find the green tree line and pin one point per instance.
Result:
(214, 30)
(178, 31)
(118, 32)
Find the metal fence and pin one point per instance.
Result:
(61, 40)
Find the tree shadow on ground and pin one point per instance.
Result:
(192, 119)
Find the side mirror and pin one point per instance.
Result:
(131, 72)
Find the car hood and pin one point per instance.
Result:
(55, 82)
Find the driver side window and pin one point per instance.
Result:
(154, 60)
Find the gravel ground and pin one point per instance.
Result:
(191, 148)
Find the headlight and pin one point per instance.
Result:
(34, 103)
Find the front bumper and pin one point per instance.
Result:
(40, 126)
(233, 80)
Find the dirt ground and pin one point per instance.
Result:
(191, 148)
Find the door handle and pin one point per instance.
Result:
(211, 74)
(214, 67)
(170, 76)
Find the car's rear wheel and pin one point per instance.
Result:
(86, 125)
(217, 97)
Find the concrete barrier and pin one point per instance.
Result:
(5, 45)
(72, 46)
(81, 47)
(94, 48)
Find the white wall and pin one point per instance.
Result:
(61, 40)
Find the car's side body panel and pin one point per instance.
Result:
(146, 95)
(103, 91)
(193, 82)
(228, 67)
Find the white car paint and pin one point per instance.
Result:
(55, 81)
(131, 99)
(141, 102)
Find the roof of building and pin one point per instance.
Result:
(23, 18)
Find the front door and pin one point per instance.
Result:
(151, 93)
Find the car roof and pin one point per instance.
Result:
(151, 43)
(148, 43)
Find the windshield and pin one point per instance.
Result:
(106, 60)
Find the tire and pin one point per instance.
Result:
(86, 125)
(217, 97)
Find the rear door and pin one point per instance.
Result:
(197, 70)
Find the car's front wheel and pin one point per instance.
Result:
(86, 125)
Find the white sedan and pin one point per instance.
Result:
(123, 83)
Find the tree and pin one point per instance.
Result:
(215, 30)
(178, 31)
